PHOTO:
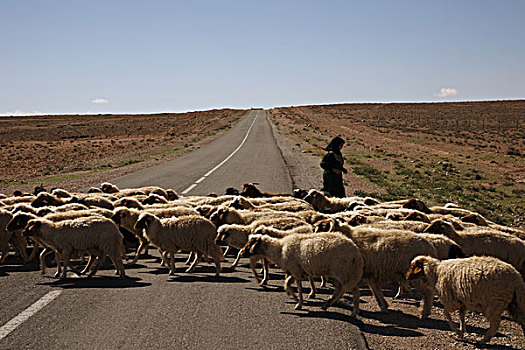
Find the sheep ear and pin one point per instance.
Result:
(417, 270)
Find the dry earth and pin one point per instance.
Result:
(399, 329)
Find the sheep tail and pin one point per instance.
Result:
(516, 307)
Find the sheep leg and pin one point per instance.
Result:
(323, 282)
(119, 266)
(65, 261)
(400, 292)
(234, 265)
(378, 295)
(299, 283)
(428, 297)
(253, 262)
(172, 264)
(33, 253)
(228, 248)
(164, 258)
(338, 293)
(191, 258)
(143, 245)
(42, 258)
(89, 265)
(98, 261)
(494, 320)
(59, 262)
(195, 262)
(288, 287)
(217, 267)
(20, 245)
(5, 251)
(356, 294)
(266, 268)
(451, 323)
(312, 286)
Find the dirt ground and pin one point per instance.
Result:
(398, 329)
(401, 327)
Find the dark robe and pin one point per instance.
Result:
(332, 182)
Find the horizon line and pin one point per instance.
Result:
(41, 114)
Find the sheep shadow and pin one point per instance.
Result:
(477, 344)
(387, 330)
(207, 278)
(102, 282)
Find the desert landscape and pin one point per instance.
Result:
(471, 154)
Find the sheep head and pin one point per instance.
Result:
(145, 220)
(475, 219)
(439, 227)
(172, 195)
(107, 187)
(417, 204)
(417, 268)
(415, 216)
(326, 225)
(249, 190)
(222, 235)
(32, 228)
(252, 246)
(19, 221)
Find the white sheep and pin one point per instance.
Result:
(10, 238)
(387, 255)
(127, 218)
(481, 241)
(95, 234)
(322, 203)
(224, 215)
(332, 255)
(193, 233)
(290, 205)
(483, 284)
(236, 236)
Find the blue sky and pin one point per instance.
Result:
(171, 56)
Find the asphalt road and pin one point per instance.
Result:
(150, 309)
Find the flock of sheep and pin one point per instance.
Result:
(469, 262)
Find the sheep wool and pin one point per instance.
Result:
(483, 284)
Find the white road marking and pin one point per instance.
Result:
(30, 311)
(224, 161)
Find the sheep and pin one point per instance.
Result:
(127, 218)
(153, 198)
(197, 201)
(480, 241)
(67, 207)
(236, 236)
(107, 187)
(8, 237)
(458, 212)
(224, 215)
(276, 233)
(15, 199)
(416, 204)
(484, 284)
(250, 190)
(293, 206)
(329, 205)
(97, 201)
(59, 192)
(387, 255)
(21, 219)
(193, 233)
(95, 234)
(413, 226)
(326, 254)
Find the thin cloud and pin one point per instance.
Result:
(447, 92)
(100, 100)
(19, 113)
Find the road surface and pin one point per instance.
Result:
(150, 309)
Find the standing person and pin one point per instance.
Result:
(332, 164)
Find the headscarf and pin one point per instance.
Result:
(334, 144)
